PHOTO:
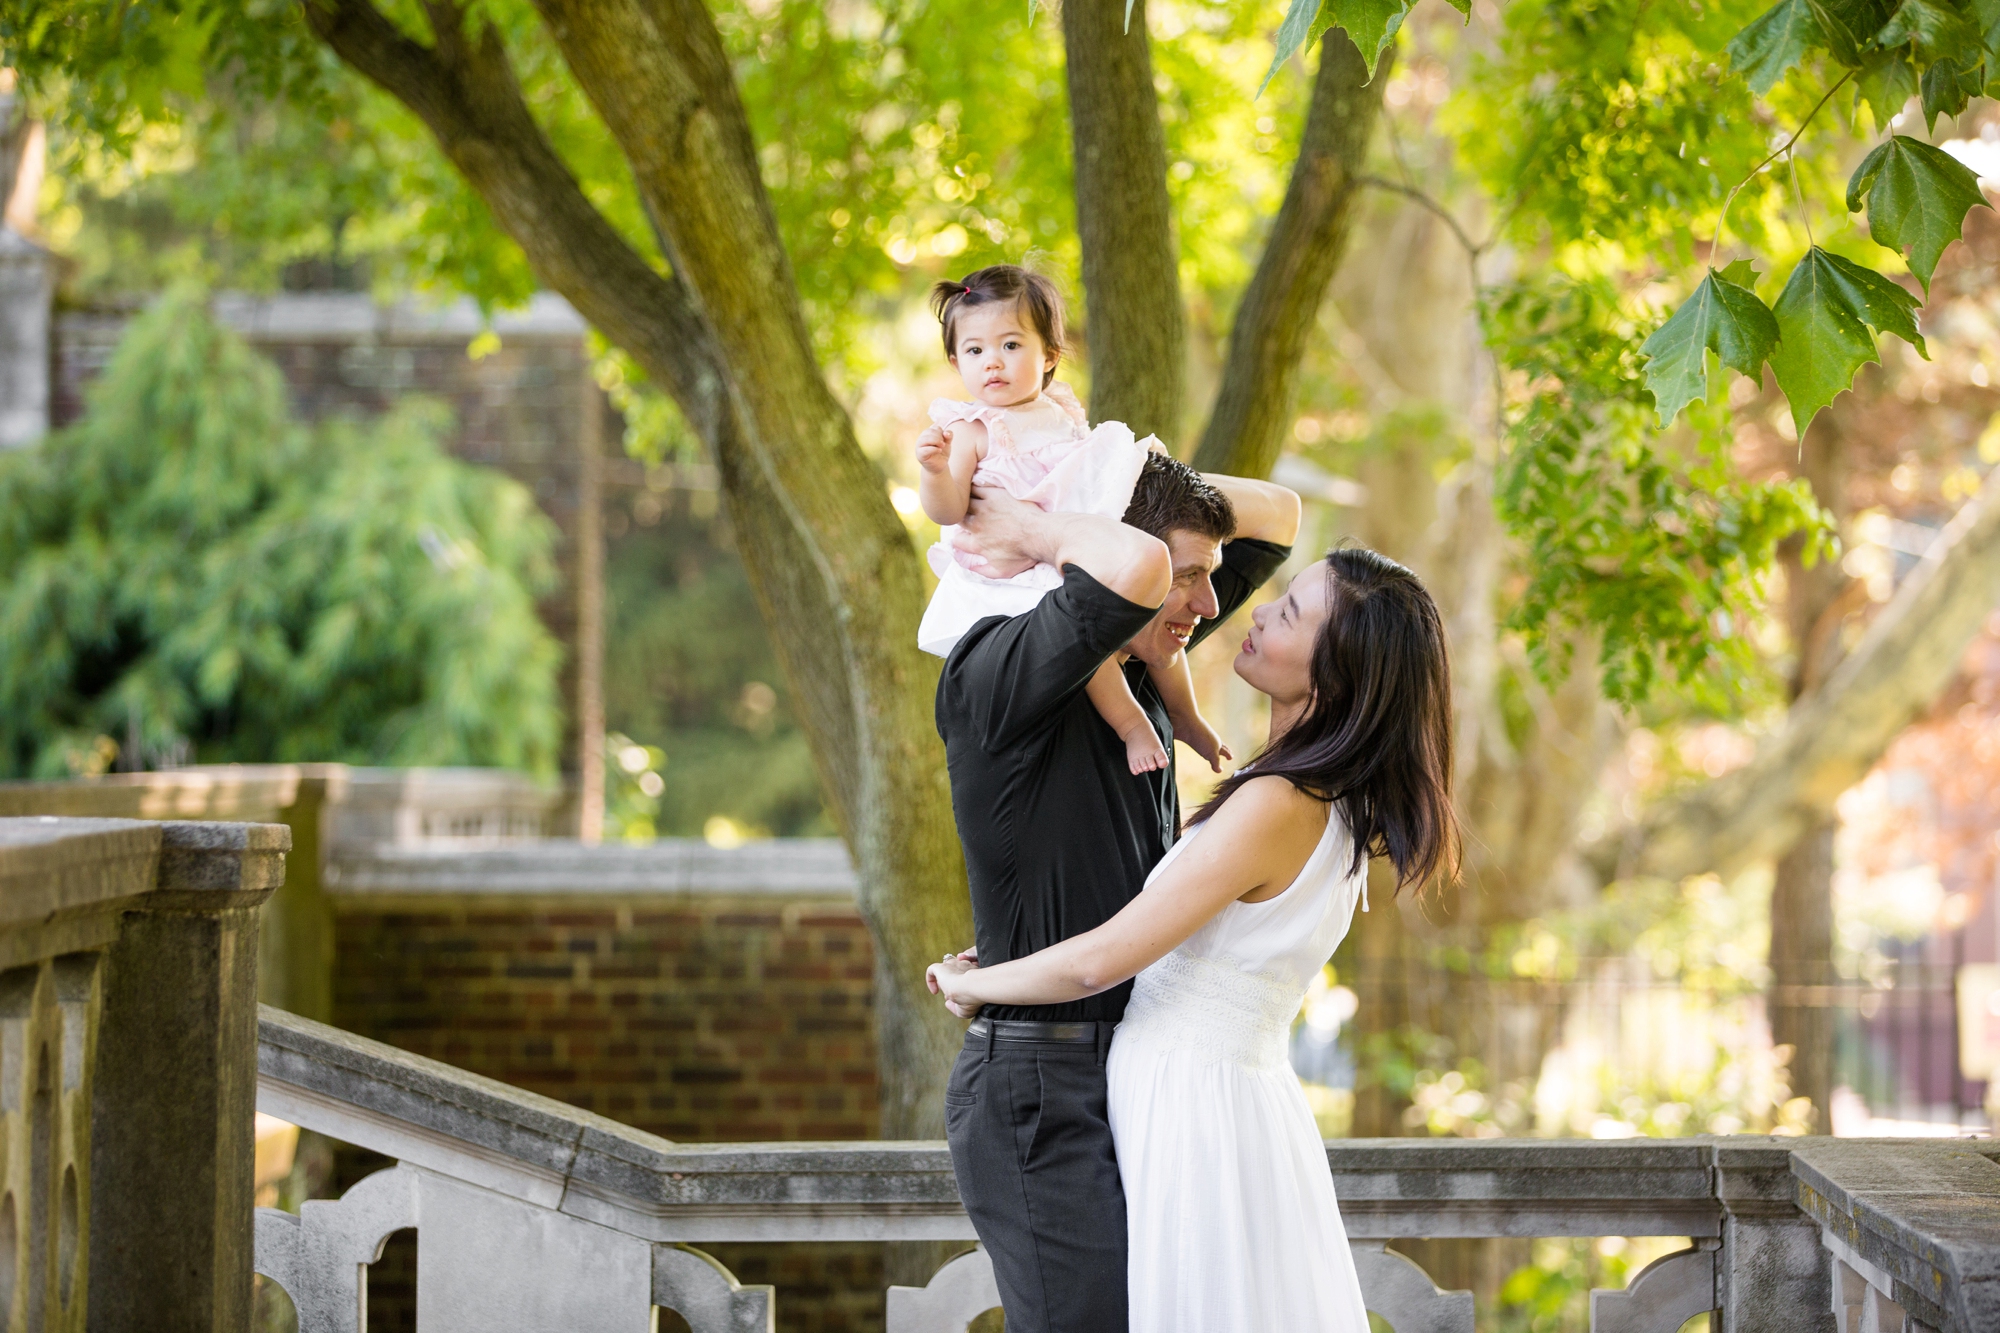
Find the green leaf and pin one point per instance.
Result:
(1371, 23)
(1836, 27)
(1724, 317)
(1986, 16)
(1462, 6)
(1742, 272)
(1775, 41)
(1918, 197)
(1937, 29)
(1827, 315)
(1292, 35)
(1949, 83)
(1887, 82)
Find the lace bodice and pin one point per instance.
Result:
(1231, 990)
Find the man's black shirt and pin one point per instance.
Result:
(1059, 834)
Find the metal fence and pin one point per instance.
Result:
(1616, 1048)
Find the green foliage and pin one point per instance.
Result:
(1916, 196)
(189, 568)
(1917, 199)
(1723, 317)
(1827, 316)
(1656, 550)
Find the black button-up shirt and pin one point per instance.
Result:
(1059, 834)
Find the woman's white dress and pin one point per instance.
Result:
(1231, 1219)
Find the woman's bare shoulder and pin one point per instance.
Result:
(1271, 805)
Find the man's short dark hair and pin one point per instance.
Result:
(1173, 497)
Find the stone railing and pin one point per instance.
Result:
(533, 1215)
(334, 811)
(128, 956)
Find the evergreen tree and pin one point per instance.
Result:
(191, 571)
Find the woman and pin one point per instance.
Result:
(1231, 1216)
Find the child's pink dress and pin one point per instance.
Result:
(1044, 452)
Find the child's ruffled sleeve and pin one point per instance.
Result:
(947, 412)
(1065, 397)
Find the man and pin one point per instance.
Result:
(1059, 835)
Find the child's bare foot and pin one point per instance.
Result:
(1143, 751)
(1204, 740)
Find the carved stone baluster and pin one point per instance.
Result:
(1666, 1294)
(320, 1255)
(708, 1295)
(48, 1024)
(958, 1293)
(1396, 1288)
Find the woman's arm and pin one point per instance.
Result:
(1253, 847)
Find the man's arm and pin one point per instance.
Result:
(1013, 535)
(1265, 511)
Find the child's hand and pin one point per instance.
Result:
(934, 452)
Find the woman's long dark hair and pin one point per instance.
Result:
(1375, 740)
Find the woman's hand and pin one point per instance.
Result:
(947, 979)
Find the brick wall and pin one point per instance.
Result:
(697, 994)
(699, 1018)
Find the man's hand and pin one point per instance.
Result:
(934, 452)
(943, 979)
(1010, 536)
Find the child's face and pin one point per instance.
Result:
(1000, 356)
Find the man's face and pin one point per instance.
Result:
(1191, 600)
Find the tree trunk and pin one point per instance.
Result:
(589, 617)
(1801, 949)
(1802, 965)
(1253, 412)
(832, 566)
(1134, 324)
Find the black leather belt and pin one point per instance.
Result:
(1021, 1029)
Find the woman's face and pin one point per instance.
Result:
(1276, 657)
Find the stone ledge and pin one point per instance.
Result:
(208, 857)
(209, 791)
(50, 865)
(787, 868)
(1925, 1212)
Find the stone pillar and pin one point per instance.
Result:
(27, 288)
(1773, 1272)
(295, 944)
(172, 1144)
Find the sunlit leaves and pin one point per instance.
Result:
(1887, 80)
(1720, 317)
(1653, 548)
(1828, 316)
(1937, 29)
(1917, 197)
(1779, 39)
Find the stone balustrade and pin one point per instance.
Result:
(534, 1215)
(128, 977)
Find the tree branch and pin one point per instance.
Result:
(833, 567)
(1137, 327)
(1836, 734)
(1246, 431)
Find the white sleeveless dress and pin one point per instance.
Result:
(1230, 1214)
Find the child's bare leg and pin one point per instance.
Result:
(1175, 682)
(1112, 698)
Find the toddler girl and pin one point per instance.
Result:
(1026, 434)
